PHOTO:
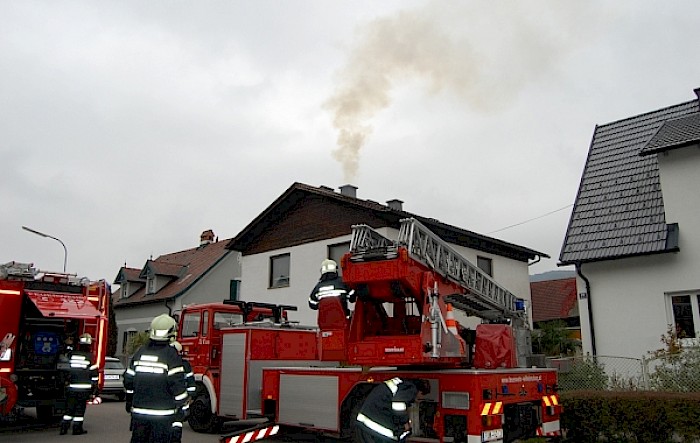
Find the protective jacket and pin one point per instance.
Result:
(155, 381)
(385, 411)
(330, 285)
(82, 372)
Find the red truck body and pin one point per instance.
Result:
(38, 311)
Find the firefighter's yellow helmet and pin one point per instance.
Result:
(86, 339)
(163, 328)
(328, 266)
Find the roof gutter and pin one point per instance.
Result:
(590, 310)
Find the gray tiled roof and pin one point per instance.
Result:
(619, 209)
(674, 134)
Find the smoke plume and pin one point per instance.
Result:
(481, 57)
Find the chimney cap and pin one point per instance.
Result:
(206, 238)
(395, 204)
(348, 190)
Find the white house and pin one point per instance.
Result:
(633, 234)
(282, 249)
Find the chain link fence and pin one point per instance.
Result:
(669, 373)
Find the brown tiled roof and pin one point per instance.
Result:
(191, 264)
(619, 209)
(129, 274)
(163, 268)
(553, 299)
(298, 191)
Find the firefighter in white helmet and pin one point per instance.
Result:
(330, 285)
(82, 384)
(155, 384)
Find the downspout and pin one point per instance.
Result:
(590, 310)
(170, 310)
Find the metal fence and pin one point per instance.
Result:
(670, 373)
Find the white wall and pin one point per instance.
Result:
(629, 297)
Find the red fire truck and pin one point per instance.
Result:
(483, 385)
(39, 310)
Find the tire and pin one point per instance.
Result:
(201, 418)
(121, 396)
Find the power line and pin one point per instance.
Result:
(532, 219)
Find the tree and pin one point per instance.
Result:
(552, 339)
(112, 329)
(136, 341)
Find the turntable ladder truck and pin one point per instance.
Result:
(403, 326)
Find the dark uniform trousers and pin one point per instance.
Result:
(150, 429)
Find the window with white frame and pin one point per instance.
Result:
(151, 284)
(125, 289)
(685, 313)
(279, 270)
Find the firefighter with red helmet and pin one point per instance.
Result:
(330, 285)
(82, 384)
(383, 416)
(155, 384)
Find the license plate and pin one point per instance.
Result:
(494, 434)
(112, 377)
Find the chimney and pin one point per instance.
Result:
(206, 238)
(349, 191)
(395, 204)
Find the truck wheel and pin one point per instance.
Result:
(121, 396)
(201, 418)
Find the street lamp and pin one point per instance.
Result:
(65, 251)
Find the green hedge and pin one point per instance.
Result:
(631, 416)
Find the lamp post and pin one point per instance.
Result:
(65, 251)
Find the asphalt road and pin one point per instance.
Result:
(109, 423)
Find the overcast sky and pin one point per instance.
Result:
(127, 128)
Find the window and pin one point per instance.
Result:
(336, 252)
(685, 312)
(225, 319)
(279, 271)
(190, 324)
(234, 290)
(205, 323)
(125, 289)
(151, 285)
(485, 264)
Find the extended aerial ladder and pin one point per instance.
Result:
(406, 287)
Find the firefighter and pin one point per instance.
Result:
(155, 384)
(191, 388)
(331, 285)
(383, 416)
(82, 384)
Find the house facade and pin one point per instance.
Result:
(204, 274)
(633, 235)
(282, 249)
